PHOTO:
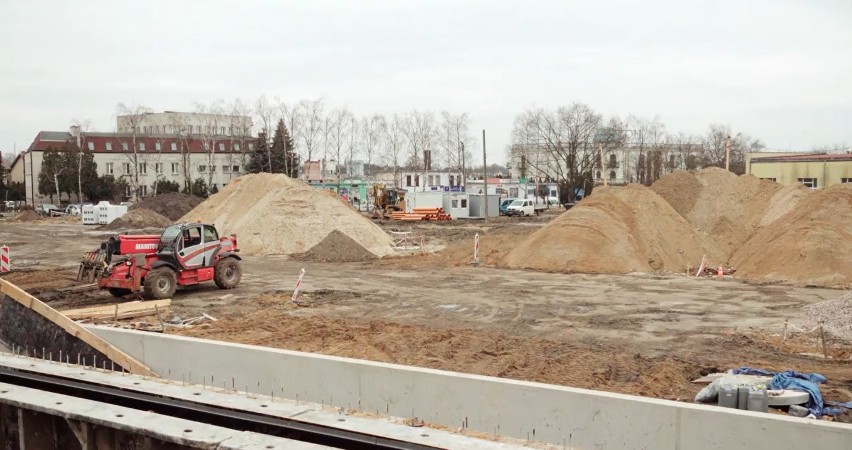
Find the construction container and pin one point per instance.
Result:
(758, 400)
(742, 397)
(107, 213)
(89, 214)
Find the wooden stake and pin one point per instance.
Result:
(783, 334)
(822, 336)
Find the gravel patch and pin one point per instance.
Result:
(835, 315)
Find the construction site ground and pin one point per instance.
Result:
(635, 333)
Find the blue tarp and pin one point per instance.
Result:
(798, 381)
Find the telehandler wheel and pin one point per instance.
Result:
(160, 283)
(227, 273)
(118, 292)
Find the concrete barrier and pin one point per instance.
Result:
(574, 418)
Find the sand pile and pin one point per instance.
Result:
(26, 216)
(272, 214)
(811, 244)
(138, 218)
(173, 205)
(616, 230)
(336, 247)
(728, 207)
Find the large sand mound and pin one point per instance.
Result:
(272, 214)
(616, 230)
(810, 244)
(728, 207)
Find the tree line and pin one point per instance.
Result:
(576, 146)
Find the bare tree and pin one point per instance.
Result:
(239, 131)
(211, 117)
(713, 145)
(265, 114)
(371, 130)
(184, 133)
(131, 121)
(394, 138)
(310, 133)
(567, 143)
(419, 135)
(456, 141)
(338, 135)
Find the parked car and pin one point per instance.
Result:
(504, 204)
(72, 210)
(47, 209)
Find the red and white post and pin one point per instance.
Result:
(298, 285)
(5, 261)
(476, 249)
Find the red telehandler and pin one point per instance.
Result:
(183, 255)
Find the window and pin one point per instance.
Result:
(143, 191)
(226, 169)
(223, 130)
(109, 146)
(124, 146)
(221, 146)
(598, 175)
(236, 169)
(464, 203)
(198, 129)
(91, 145)
(408, 180)
(175, 168)
(251, 146)
(417, 180)
(613, 162)
(236, 146)
(452, 178)
(158, 168)
(846, 180)
(174, 146)
(143, 168)
(109, 168)
(158, 146)
(809, 182)
(125, 168)
(611, 177)
(210, 234)
(455, 203)
(127, 191)
(212, 169)
(141, 146)
(202, 169)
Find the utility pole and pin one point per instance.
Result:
(463, 170)
(484, 175)
(728, 154)
(80, 182)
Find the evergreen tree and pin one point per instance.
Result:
(76, 161)
(291, 158)
(259, 158)
(51, 164)
(198, 188)
(280, 142)
(164, 186)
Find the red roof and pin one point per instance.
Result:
(57, 139)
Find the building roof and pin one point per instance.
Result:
(804, 158)
(46, 139)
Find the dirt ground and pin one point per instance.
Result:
(637, 333)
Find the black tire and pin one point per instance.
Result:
(118, 292)
(160, 283)
(228, 273)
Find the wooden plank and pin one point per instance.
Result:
(122, 310)
(73, 328)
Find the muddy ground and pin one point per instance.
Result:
(639, 334)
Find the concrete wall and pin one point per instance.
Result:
(575, 418)
(827, 173)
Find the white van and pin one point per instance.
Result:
(523, 207)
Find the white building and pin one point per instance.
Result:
(171, 157)
(183, 123)
(431, 180)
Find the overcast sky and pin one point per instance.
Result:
(778, 70)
